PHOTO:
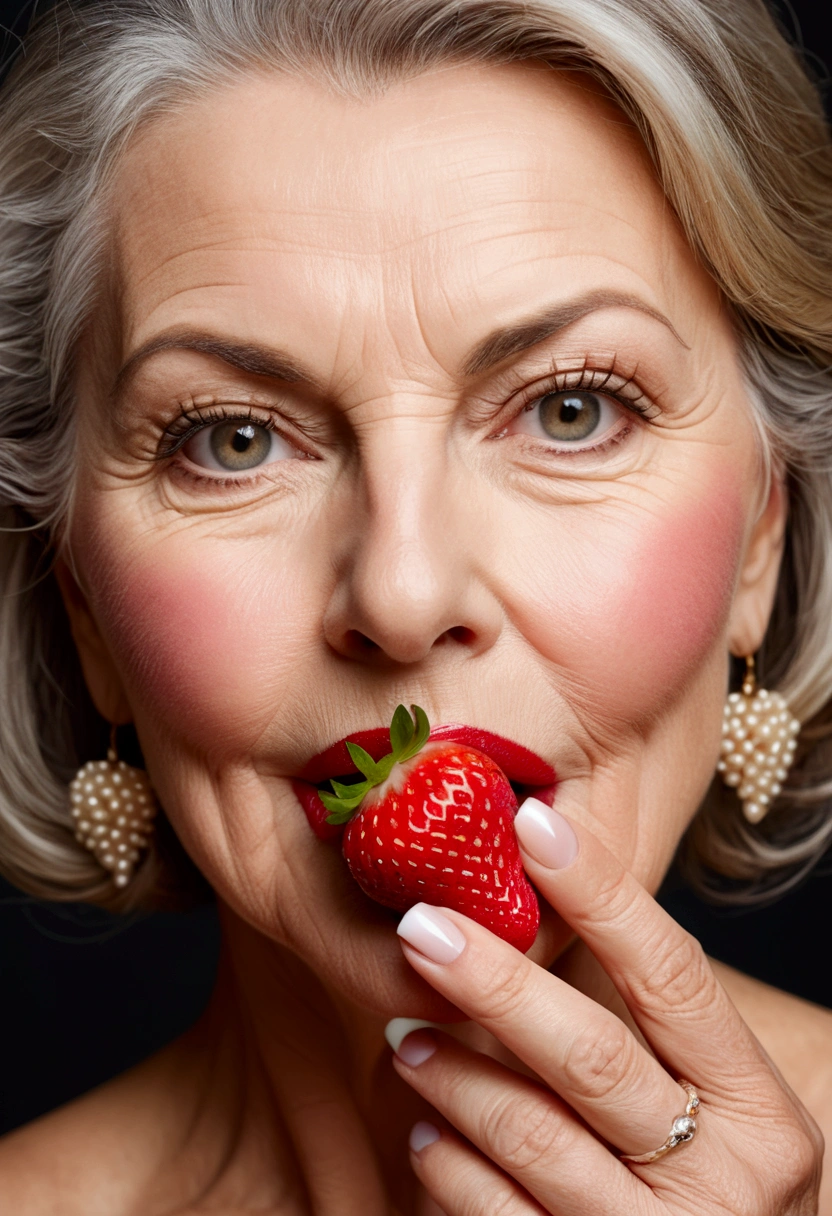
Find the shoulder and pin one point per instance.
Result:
(49, 1162)
(40, 1163)
(91, 1157)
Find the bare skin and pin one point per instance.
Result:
(336, 270)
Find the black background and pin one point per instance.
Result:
(84, 995)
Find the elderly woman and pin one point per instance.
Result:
(462, 353)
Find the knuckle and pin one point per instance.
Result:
(818, 1140)
(523, 1130)
(612, 899)
(805, 1157)
(677, 977)
(460, 1189)
(507, 986)
(598, 1065)
(794, 1172)
(506, 1203)
(509, 1204)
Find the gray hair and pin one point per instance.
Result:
(738, 139)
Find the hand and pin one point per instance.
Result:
(553, 1146)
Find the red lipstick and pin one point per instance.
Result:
(522, 767)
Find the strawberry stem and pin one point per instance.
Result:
(408, 735)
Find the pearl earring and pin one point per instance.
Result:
(113, 806)
(759, 740)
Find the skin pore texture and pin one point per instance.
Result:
(335, 268)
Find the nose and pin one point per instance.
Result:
(413, 573)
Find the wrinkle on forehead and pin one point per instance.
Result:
(435, 208)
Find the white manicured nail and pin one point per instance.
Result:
(430, 932)
(417, 1048)
(399, 1028)
(545, 835)
(422, 1135)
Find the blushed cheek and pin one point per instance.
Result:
(675, 597)
(652, 599)
(205, 646)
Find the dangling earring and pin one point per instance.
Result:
(113, 806)
(759, 740)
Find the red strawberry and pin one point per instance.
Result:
(435, 826)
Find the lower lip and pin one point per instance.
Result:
(527, 772)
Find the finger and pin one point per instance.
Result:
(660, 970)
(525, 1130)
(580, 1049)
(462, 1182)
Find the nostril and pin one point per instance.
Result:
(359, 642)
(402, 647)
(461, 633)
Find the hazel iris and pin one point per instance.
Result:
(569, 415)
(240, 445)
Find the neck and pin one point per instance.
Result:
(294, 1089)
(294, 1092)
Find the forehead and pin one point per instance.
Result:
(469, 188)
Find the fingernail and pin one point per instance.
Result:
(422, 1135)
(417, 1048)
(431, 933)
(398, 1029)
(545, 835)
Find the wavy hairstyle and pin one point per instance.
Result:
(737, 136)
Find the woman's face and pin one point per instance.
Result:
(390, 294)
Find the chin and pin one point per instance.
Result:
(351, 944)
(297, 890)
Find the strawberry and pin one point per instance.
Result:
(432, 822)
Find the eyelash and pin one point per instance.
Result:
(591, 380)
(182, 428)
(177, 433)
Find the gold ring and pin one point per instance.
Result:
(683, 1130)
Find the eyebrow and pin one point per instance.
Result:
(502, 343)
(514, 339)
(245, 356)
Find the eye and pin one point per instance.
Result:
(571, 416)
(236, 446)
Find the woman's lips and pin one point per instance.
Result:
(517, 762)
(522, 767)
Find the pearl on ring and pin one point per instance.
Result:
(682, 1131)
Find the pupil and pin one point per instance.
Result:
(570, 415)
(242, 438)
(240, 445)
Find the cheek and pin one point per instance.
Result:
(646, 600)
(203, 645)
(670, 600)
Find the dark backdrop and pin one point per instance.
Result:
(85, 995)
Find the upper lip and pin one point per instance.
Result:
(520, 765)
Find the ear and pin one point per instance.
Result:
(100, 674)
(757, 584)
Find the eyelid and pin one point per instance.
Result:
(189, 422)
(622, 388)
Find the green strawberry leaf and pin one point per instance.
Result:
(407, 738)
(401, 731)
(363, 761)
(341, 810)
(385, 766)
(420, 736)
(349, 792)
